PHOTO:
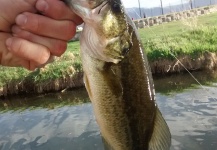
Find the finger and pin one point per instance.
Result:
(28, 50)
(56, 9)
(45, 26)
(56, 47)
(10, 9)
(7, 58)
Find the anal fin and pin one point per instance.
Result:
(87, 85)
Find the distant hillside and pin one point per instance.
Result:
(156, 11)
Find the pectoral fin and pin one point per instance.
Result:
(87, 85)
(161, 137)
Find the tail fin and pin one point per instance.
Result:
(161, 137)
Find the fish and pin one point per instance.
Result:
(118, 78)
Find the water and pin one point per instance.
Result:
(66, 122)
(191, 117)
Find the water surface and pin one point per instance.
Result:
(65, 121)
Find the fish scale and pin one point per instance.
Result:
(118, 79)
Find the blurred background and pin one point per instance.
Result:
(145, 8)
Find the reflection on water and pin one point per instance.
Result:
(63, 128)
(182, 81)
(192, 118)
(63, 122)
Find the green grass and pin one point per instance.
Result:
(66, 65)
(188, 37)
(161, 30)
(193, 42)
(177, 27)
(185, 37)
(9, 74)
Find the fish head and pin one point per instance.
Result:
(106, 31)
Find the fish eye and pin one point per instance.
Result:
(116, 7)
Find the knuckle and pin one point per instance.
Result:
(36, 26)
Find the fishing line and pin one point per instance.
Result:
(188, 71)
(180, 61)
(197, 120)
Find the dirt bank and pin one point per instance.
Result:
(29, 87)
(206, 61)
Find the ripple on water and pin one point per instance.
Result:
(191, 116)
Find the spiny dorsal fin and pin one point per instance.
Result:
(161, 137)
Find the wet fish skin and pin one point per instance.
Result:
(118, 79)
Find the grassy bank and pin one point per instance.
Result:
(193, 42)
(189, 37)
(185, 37)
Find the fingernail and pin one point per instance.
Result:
(16, 29)
(8, 43)
(42, 6)
(21, 20)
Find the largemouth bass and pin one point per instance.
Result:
(118, 79)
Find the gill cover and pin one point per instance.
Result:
(105, 35)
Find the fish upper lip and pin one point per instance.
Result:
(101, 6)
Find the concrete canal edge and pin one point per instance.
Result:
(206, 61)
(158, 20)
(175, 16)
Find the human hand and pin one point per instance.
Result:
(38, 37)
(8, 13)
